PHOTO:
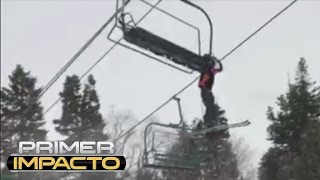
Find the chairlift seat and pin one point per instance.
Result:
(159, 46)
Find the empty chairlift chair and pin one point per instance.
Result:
(169, 146)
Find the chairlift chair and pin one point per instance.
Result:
(148, 41)
(154, 157)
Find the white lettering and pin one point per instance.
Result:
(59, 147)
(23, 146)
(44, 146)
(105, 146)
(75, 145)
(87, 147)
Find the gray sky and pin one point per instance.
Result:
(44, 35)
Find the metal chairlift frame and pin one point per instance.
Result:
(122, 14)
(116, 25)
(165, 160)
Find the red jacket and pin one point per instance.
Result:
(207, 77)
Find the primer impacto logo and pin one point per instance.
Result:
(81, 156)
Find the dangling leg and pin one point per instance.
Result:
(208, 101)
(214, 111)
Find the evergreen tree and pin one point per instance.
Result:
(276, 164)
(292, 130)
(70, 122)
(307, 166)
(21, 112)
(220, 160)
(81, 119)
(297, 107)
(90, 114)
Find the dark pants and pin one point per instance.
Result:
(208, 101)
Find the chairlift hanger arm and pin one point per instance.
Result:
(209, 20)
(180, 20)
(180, 110)
(172, 126)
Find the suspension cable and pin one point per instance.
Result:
(103, 56)
(259, 29)
(75, 57)
(189, 84)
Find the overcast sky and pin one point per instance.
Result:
(44, 35)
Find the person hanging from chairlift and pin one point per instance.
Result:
(206, 83)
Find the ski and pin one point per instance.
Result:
(220, 128)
